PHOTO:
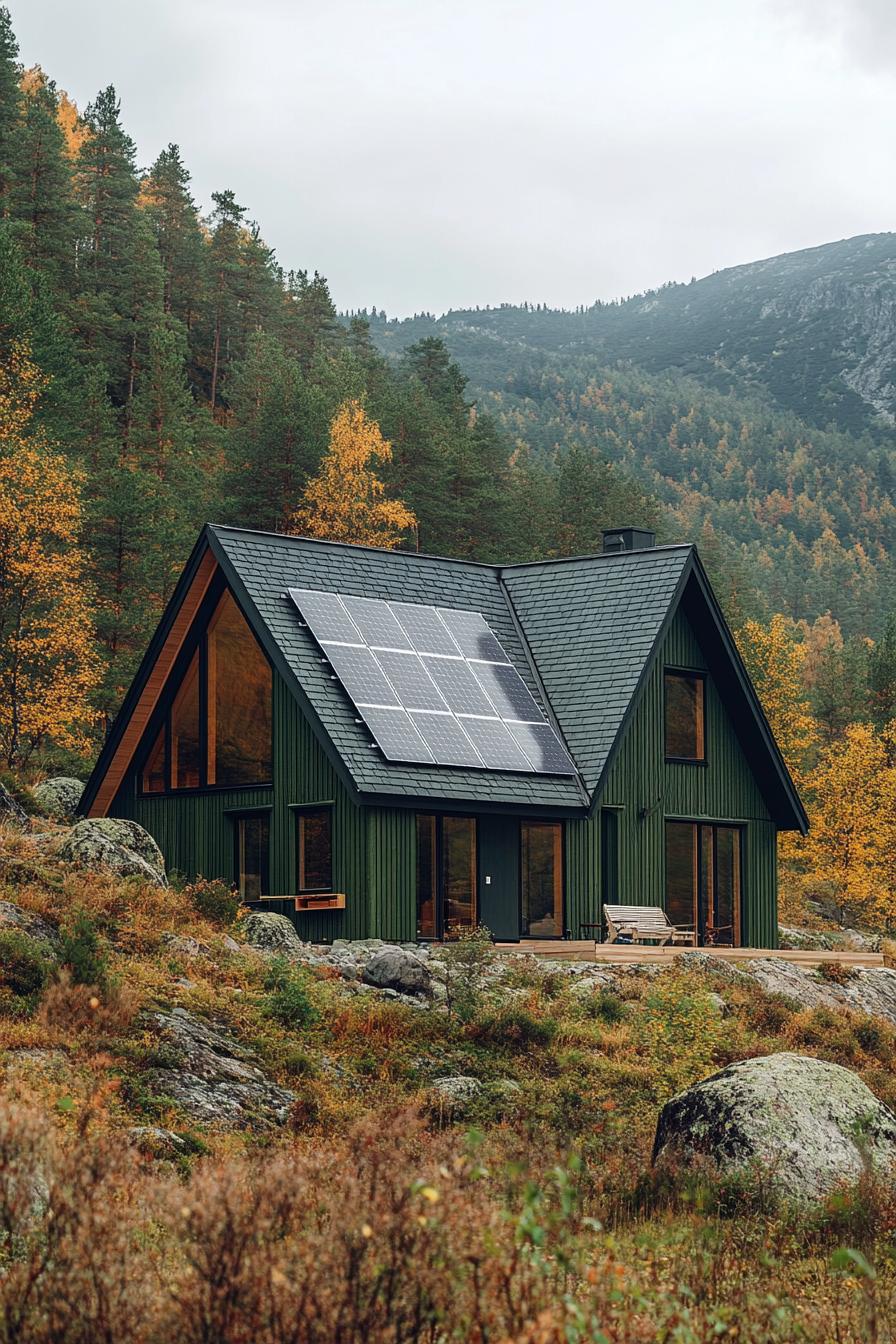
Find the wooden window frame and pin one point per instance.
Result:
(301, 812)
(439, 866)
(238, 817)
(559, 877)
(197, 640)
(698, 675)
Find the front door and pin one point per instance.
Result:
(541, 879)
(703, 880)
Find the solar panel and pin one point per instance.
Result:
(433, 684)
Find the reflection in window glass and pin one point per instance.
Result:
(685, 716)
(459, 873)
(542, 879)
(681, 872)
(315, 850)
(153, 779)
(253, 856)
(185, 741)
(426, 877)
(239, 701)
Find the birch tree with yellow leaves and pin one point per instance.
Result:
(346, 500)
(47, 664)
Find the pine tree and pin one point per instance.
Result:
(225, 285)
(166, 199)
(311, 327)
(882, 675)
(10, 110)
(42, 200)
(430, 361)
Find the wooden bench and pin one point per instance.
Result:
(646, 924)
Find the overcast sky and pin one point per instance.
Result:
(428, 154)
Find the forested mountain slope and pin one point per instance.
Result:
(756, 403)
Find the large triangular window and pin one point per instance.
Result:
(217, 731)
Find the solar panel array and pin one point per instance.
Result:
(433, 684)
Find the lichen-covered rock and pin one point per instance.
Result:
(452, 1098)
(11, 809)
(806, 1124)
(59, 796)
(397, 969)
(180, 945)
(121, 846)
(162, 1144)
(270, 932)
(27, 922)
(806, 940)
(868, 989)
(215, 1079)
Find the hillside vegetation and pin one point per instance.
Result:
(365, 1207)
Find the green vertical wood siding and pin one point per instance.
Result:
(648, 790)
(196, 831)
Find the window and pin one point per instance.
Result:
(219, 724)
(315, 849)
(253, 850)
(703, 880)
(541, 867)
(239, 701)
(186, 751)
(153, 777)
(685, 709)
(427, 885)
(446, 875)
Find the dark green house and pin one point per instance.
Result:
(398, 745)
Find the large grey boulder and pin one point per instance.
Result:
(804, 1125)
(123, 847)
(270, 932)
(59, 796)
(29, 923)
(453, 1098)
(396, 968)
(213, 1079)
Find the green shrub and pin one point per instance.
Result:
(468, 960)
(24, 968)
(513, 1028)
(214, 899)
(83, 951)
(287, 999)
(24, 797)
(606, 1007)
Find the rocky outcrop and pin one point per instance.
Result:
(395, 968)
(59, 796)
(453, 1098)
(122, 847)
(269, 932)
(215, 1080)
(799, 1125)
(27, 922)
(867, 989)
(11, 810)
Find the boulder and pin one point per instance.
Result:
(803, 1125)
(215, 1079)
(25, 921)
(395, 968)
(180, 945)
(59, 796)
(123, 847)
(805, 940)
(270, 932)
(868, 989)
(162, 1144)
(452, 1098)
(11, 810)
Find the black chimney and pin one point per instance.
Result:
(619, 539)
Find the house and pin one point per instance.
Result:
(398, 745)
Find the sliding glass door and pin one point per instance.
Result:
(703, 880)
(541, 872)
(446, 875)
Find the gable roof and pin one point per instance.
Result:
(582, 633)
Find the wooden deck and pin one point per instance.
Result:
(627, 954)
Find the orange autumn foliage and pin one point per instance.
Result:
(47, 662)
(346, 500)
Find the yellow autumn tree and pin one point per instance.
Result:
(47, 663)
(346, 500)
(850, 847)
(774, 659)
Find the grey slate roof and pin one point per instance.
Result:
(581, 629)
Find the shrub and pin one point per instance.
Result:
(513, 1028)
(75, 1007)
(287, 999)
(24, 968)
(835, 972)
(468, 960)
(606, 1007)
(213, 899)
(82, 951)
